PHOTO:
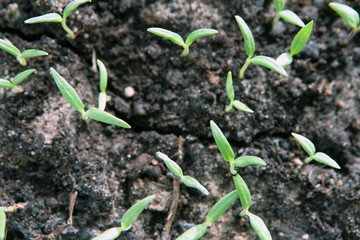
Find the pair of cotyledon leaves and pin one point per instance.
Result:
(4, 83)
(287, 15)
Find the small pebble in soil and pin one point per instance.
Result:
(129, 92)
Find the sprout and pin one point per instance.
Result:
(103, 84)
(7, 46)
(230, 92)
(178, 40)
(347, 13)
(74, 100)
(16, 80)
(259, 226)
(264, 61)
(127, 220)
(309, 147)
(55, 17)
(2, 224)
(287, 15)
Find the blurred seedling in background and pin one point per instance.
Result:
(231, 94)
(55, 17)
(178, 40)
(16, 80)
(264, 61)
(287, 15)
(74, 100)
(297, 45)
(127, 220)
(3, 211)
(309, 147)
(350, 16)
(7, 46)
(103, 98)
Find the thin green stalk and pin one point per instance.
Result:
(67, 29)
(276, 19)
(185, 52)
(244, 67)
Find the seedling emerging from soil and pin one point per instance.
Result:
(350, 15)
(73, 98)
(127, 220)
(103, 84)
(231, 94)
(55, 17)
(7, 46)
(309, 147)
(178, 40)
(287, 15)
(250, 49)
(16, 80)
(177, 171)
(297, 45)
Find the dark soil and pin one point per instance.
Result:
(47, 151)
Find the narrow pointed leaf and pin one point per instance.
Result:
(132, 213)
(2, 224)
(222, 143)
(284, 59)
(291, 17)
(301, 39)
(241, 106)
(198, 34)
(248, 161)
(30, 53)
(221, 206)
(103, 75)
(305, 143)
(192, 182)
(279, 4)
(270, 63)
(9, 47)
(21, 76)
(102, 101)
(347, 13)
(105, 117)
(259, 226)
(49, 17)
(193, 233)
(72, 6)
(109, 234)
(171, 165)
(243, 191)
(247, 35)
(5, 83)
(230, 87)
(326, 159)
(174, 37)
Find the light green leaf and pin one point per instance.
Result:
(284, 59)
(325, 159)
(222, 142)
(30, 53)
(291, 17)
(5, 83)
(194, 233)
(305, 143)
(221, 206)
(171, 165)
(21, 76)
(198, 34)
(229, 87)
(301, 39)
(2, 224)
(103, 75)
(243, 191)
(102, 101)
(72, 6)
(105, 117)
(259, 226)
(132, 213)
(269, 63)
(174, 37)
(248, 37)
(241, 106)
(49, 17)
(109, 234)
(347, 13)
(279, 4)
(192, 182)
(248, 160)
(7, 46)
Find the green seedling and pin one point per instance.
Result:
(309, 147)
(103, 84)
(178, 40)
(231, 95)
(287, 15)
(16, 80)
(127, 220)
(350, 15)
(177, 171)
(297, 45)
(2, 225)
(7, 46)
(74, 100)
(55, 17)
(264, 61)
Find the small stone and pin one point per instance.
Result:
(298, 161)
(129, 92)
(305, 236)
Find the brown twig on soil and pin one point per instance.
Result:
(175, 195)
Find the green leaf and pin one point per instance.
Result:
(30, 53)
(133, 212)
(305, 143)
(325, 159)
(248, 37)
(102, 101)
(105, 117)
(248, 160)
(269, 63)
(301, 39)
(7, 46)
(279, 4)
(103, 75)
(174, 37)
(259, 226)
(229, 87)
(68, 92)
(171, 165)
(291, 17)
(5, 83)
(194, 233)
(221, 206)
(21, 76)
(198, 34)
(222, 142)
(243, 191)
(347, 13)
(192, 182)
(284, 59)
(109, 234)
(49, 17)
(241, 106)
(2, 224)
(72, 6)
